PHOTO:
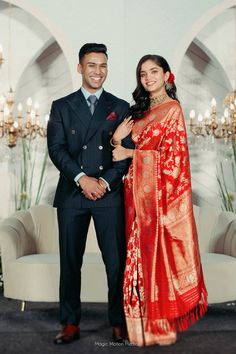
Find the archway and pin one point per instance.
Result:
(195, 29)
(56, 32)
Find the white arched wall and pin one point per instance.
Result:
(225, 77)
(127, 31)
(56, 32)
(195, 29)
(204, 182)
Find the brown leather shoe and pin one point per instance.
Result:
(68, 334)
(119, 334)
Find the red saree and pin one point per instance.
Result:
(164, 289)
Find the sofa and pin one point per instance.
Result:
(30, 259)
(217, 243)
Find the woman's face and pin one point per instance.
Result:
(153, 78)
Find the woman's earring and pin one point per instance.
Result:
(168, 86)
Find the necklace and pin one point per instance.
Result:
(158, 99)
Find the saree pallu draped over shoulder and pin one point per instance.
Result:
(164, 289)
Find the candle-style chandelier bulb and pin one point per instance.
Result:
(200, 117)
(6, 112)
(192, 114)
(2, 100)
(29, 101)
(207, 114)
(223, 120)
(213, 102)
(19, 109)
(226, 113)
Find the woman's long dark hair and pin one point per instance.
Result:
(140, 96)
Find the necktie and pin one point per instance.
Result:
(93, 101)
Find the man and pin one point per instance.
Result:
(90, 185)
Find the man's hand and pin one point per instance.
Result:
(102, 183)
(91, 188)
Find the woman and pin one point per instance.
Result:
(164, 289)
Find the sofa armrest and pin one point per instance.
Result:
(230, 240)
(14, 240)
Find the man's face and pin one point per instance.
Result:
(93, 68)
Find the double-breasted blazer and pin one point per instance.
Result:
(80, 142)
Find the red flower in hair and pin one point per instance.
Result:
(171, 78)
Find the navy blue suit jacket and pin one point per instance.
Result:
(79, 142)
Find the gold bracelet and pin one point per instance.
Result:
(114, 145)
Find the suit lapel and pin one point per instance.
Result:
(80, 109)
(102, 110)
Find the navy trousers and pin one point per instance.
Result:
(73, 228)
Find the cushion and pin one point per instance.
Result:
(219, 274)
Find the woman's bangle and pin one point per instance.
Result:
(114, 143)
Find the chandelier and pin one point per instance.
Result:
(15, 122)
(211, 124)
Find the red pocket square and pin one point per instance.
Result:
(112, 116)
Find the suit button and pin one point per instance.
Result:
(81, 167)
(85, 147)
(100, 147)
(100, 167)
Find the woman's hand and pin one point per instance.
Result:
(121, 153)
(123, 130)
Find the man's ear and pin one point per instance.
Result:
(79, 68)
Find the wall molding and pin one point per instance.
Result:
(195, 29)
(57, 33)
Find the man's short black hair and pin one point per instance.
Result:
(92, 48)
